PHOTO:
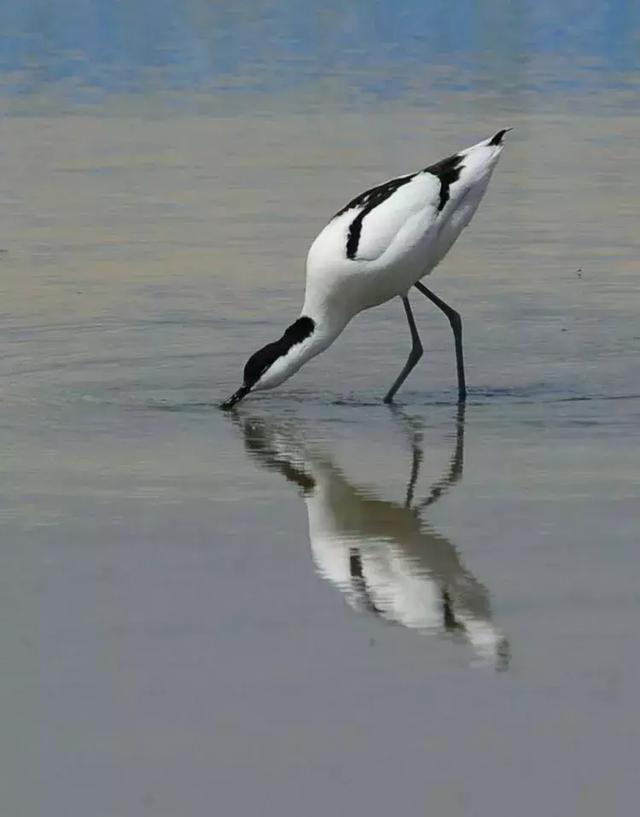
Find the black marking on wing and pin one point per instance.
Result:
(368, 201)
(359, 583)
(447, 172)
(451, 624)
(261, 360)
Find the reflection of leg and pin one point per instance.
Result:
(416, 460)
(454, 473)
(412, 428)
(414, 355)
(456, 325)
(457, 461)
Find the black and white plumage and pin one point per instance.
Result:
(375, 248)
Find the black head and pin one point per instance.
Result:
(262, 360)
(236, 397)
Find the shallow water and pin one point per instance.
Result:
(316, 604)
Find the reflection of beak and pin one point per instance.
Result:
(243, 391)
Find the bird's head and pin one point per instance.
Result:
(275, 362)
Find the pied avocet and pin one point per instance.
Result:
(375, 248)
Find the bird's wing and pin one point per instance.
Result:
(413, 205)
(371, 222)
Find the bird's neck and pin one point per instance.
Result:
(298, 349)
(325, 330)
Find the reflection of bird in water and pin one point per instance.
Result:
(380, 554)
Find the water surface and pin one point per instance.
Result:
(316, 605)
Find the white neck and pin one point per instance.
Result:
(322, 336)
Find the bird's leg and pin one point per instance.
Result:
(414, 355)
(456, 324)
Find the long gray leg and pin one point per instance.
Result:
(456, 324)
(414, 355)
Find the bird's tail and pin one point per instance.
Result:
(497, 138)
(479, 160)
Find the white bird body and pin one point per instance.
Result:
(376, 248)
(401, 240)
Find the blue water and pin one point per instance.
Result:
(383, 49)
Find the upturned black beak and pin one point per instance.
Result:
(236, 397)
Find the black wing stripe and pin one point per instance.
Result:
(359, 582)
(368, 201)
(447, 172)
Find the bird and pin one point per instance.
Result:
(375, 248)
(379, 553)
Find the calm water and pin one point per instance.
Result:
(318, 605)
